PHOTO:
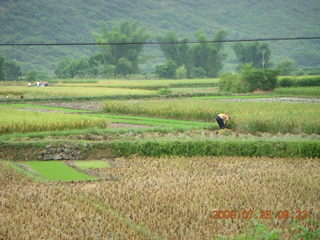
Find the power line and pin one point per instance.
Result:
(155, 43)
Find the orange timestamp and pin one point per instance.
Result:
(261, 214)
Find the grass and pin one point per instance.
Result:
(128, 144)
(57, 171)
(24, 121)
(218, 147)
(298, 91)
(91, 164)
(250, 117)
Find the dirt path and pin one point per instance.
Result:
(83, 105)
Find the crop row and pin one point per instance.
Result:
(246, 116)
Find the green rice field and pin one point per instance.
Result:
(57, 171)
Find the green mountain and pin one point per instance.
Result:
(76, 20)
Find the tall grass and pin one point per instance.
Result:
(246, 116)
(17, 121)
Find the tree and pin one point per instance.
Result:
(167, 70)
(2, 72)
(208, 55)
(286, 67)
(31, 76)
(175, 52)
(125, 57)
(181, 72)
(70, 68)
(12, 70)
(201, 60)
(255, 53)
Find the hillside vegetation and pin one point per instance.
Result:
(76, 20)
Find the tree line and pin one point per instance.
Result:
(199, 60)
(203, 59)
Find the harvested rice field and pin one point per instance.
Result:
(167, 198)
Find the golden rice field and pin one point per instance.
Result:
(70, 91)
(20, 121)
(284, 117)
(168, 198)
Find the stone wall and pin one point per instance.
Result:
(64, 152)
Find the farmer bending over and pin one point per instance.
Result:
(222, 120)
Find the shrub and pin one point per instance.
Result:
(181, 72)
(307, 81)
(167, 70)
(249, 80)
(286, 82)
(229, 82)
(253, 79)
(164, 91)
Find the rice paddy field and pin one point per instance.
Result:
(148, 165)
(26, 121)
(246, 116)
(167, 198)
(67, 92)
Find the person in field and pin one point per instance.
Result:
(222, 120)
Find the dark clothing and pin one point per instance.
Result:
(220, 122)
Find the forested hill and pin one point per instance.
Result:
(76, 20)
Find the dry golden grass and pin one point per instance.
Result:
(168, 198)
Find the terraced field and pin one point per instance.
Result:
(158, 167)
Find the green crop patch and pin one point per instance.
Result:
(91, 164)
(57, 171)
(153, 121)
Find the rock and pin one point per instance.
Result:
(57, 157)
(47, 157)
(65, 156)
